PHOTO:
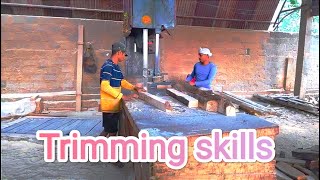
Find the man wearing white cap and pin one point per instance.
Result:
(204, 71)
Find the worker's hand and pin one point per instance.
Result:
(129, 97)
(139, 88)
(126, 98)
(192, 83)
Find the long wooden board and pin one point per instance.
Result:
(156, 101)
(283, 102)
(183, 98)
(79, 68)
(290, 171)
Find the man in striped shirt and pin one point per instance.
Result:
(111, 82)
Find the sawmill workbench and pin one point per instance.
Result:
(193, 123)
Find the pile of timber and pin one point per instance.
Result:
(246, 104)
(303, 165)
(211, 101)
(289, 101)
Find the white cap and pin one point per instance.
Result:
(205, 51)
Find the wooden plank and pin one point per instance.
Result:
(292, 161)
(290, 171)
(305, 154)
(54, 125)
(183, 98)
(305, 170)
(8, 128)
(205, 103)
(85, 126)
(29, 124)
(282, 176)
(312, 164)
(96, 130)
(226, 108)
(304, 44)
(290, 71)
(79, 68)
(247, 105)
(305, 108)
(34, 126)
(91, 126)
(156, 101)
(66, 130)
(28, 95)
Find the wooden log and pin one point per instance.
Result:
(79, 68)
(305, 170)
(305, 154)
(290, 171)
(183, 98)
(156, 101)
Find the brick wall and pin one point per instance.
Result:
(261, 70)
(39, 54)
(42, 53)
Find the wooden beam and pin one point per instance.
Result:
(305, 170)
(27, 95)
(290, 171)
(292, 161)
(79, 68)
(287, 103)
(227, 108)
(290, 70)
(247, 105)
(183, 98)
(281, 176)
(303, 49)
(156, 101)
(305, 154)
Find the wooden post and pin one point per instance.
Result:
(79, 68)
(303, 49)
(290, 70)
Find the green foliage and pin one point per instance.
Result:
(291, 23)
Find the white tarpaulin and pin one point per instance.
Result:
(17, 108)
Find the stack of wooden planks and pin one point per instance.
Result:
(213, 101)
(303, 165)
(289, 101)
(247, 105)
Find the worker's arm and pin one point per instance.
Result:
(191, 76)
(105, 87)
(212, 74)
(106, 75)
(125, 84)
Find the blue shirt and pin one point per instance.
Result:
(204, 74)
(111, 72)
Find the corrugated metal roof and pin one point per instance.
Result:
(238, 14)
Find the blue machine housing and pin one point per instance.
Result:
(162, 13)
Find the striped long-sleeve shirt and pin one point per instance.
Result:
(111, 81)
